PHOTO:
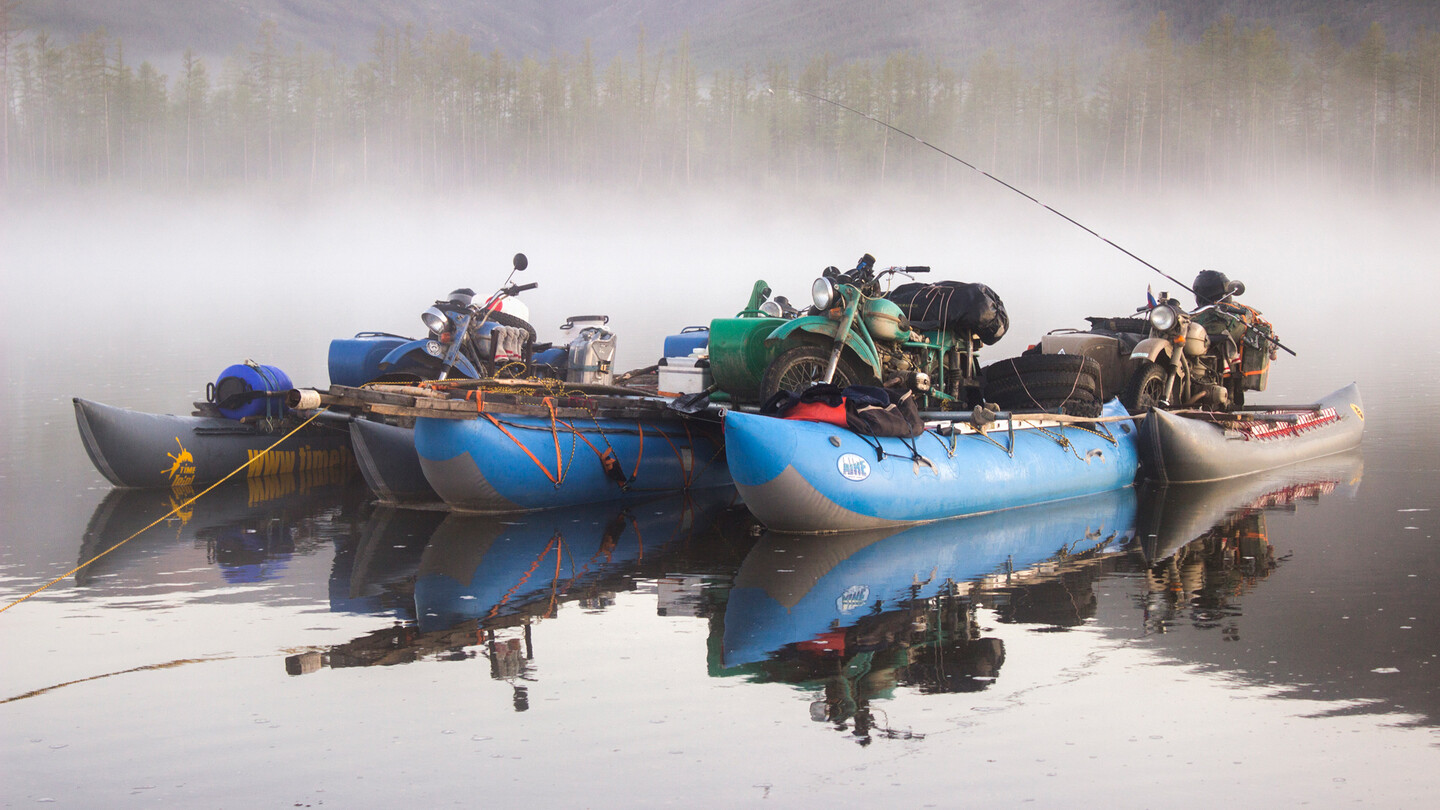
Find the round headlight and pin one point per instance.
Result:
(771, 309)
(434, 319)
(1163, 318)
(822, 292)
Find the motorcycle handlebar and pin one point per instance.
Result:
(519, 288)
(918, 269)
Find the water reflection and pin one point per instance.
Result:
(849, 620)
(852, 617)
(480, 584)
(249, 530)
(1208, 545)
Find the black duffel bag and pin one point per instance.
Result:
(959, 306)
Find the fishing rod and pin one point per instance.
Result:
(967, 164)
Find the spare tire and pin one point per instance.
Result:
(1060, 383)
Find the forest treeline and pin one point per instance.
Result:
(426, 111)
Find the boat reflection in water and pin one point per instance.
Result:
(853, 616)
(250, 529)
(481, 583)
(850, 618)
(1206, 545)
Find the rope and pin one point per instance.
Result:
(167, 515)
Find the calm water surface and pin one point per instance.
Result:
(1266, 642)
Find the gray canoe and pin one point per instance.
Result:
(1191, 447)
(142, 450)
(387, 458)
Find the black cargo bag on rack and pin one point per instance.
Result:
(959, 306)
(874, 411)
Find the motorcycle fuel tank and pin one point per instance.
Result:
(885, 320)
(1197, 340)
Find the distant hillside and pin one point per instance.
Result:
(723, 33)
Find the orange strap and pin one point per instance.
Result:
(639, 453)
(521, 445)
(678, 457)
(555, 435)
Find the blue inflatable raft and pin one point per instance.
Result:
(811, 477)
(499, 463)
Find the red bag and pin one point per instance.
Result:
(818, 412)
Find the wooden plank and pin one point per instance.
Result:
(401, 410)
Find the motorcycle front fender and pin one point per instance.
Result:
(823, 326)
(416, 355)
(1156, 350)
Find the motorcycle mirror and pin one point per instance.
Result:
(1234, 288)
(521, 262)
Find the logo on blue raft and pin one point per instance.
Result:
(854, 597)
(853, 467)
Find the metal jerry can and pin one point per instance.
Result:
(592, 357)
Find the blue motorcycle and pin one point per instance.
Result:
(464, 340)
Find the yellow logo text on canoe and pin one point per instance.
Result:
(182, 466)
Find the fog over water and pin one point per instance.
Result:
(240, 276)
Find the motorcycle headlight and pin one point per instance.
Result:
(822, 292)
(434, 319)
(771, 309)
(1163, 318)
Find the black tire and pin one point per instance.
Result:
(1069, 366)
(1047, 382)
(506, 319)
(798, 368)
(1145, 390)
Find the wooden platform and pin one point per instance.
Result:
(467, 399)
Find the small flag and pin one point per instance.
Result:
(1150, 297)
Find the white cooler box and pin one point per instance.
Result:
(684, 375)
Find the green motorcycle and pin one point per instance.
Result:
(918, 336)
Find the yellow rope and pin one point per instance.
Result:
(167, 515)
